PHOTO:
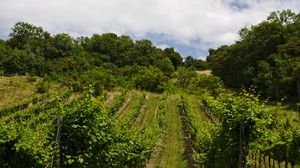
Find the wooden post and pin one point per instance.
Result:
(242, 157)
(241, 148)
(264, 159)
(259, 159)
(286, 164)
(58, 135)
(255, 160)
(298, 89)
(269, 161)
(57, 144)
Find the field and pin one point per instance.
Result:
(119, 128)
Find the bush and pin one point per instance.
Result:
(212, 84)
(150, 79)
(42, 87)
(31, 79)
(103, 78)
(185, 76)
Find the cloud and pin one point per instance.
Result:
(191, 26)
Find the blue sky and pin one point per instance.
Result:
(189, 26)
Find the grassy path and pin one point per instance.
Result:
(132, 96)
(147, 114)
(110, 97)
(169, 152)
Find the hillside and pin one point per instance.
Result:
(109, 101)
(173, 129)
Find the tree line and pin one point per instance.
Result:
(107, 59)
(267, 56)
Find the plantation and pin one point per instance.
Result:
(131, 128)
(109, 101)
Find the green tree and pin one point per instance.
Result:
(62, 45)
(185, 76)
(150, 78)
(264, 56)
(174, 56)
(25, 35)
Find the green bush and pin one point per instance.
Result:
(31, 79)
(184, 76)
(211, 84)
(150, 79)
(42, 87)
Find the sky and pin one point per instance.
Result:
(189, 26)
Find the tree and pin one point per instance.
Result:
(150, 78)
(189, 61)
(174, 56)
(185, 76)
(26, 34)
(264, 56)
(284, 17)
(63, 45)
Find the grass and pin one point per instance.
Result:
(110, 97)
(131, 97)
(14, 90)
(284, 112)
(147, 114)
(172, 154)
(206, 72)
(169, 151)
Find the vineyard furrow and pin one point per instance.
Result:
(147, 114)
(127, 118)
(34, 109)
(110, 98)
(172, 154)
(132, 96)
(142, 115)
(199, 124)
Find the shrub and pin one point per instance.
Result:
(42, 87)
(150, 79)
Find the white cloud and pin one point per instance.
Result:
(208, 22)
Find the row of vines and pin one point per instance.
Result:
(238, 131)
(63, 130)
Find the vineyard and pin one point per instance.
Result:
(131, 128)
(114, 101)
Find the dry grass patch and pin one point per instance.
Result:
(15, 89)
(206, 72)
